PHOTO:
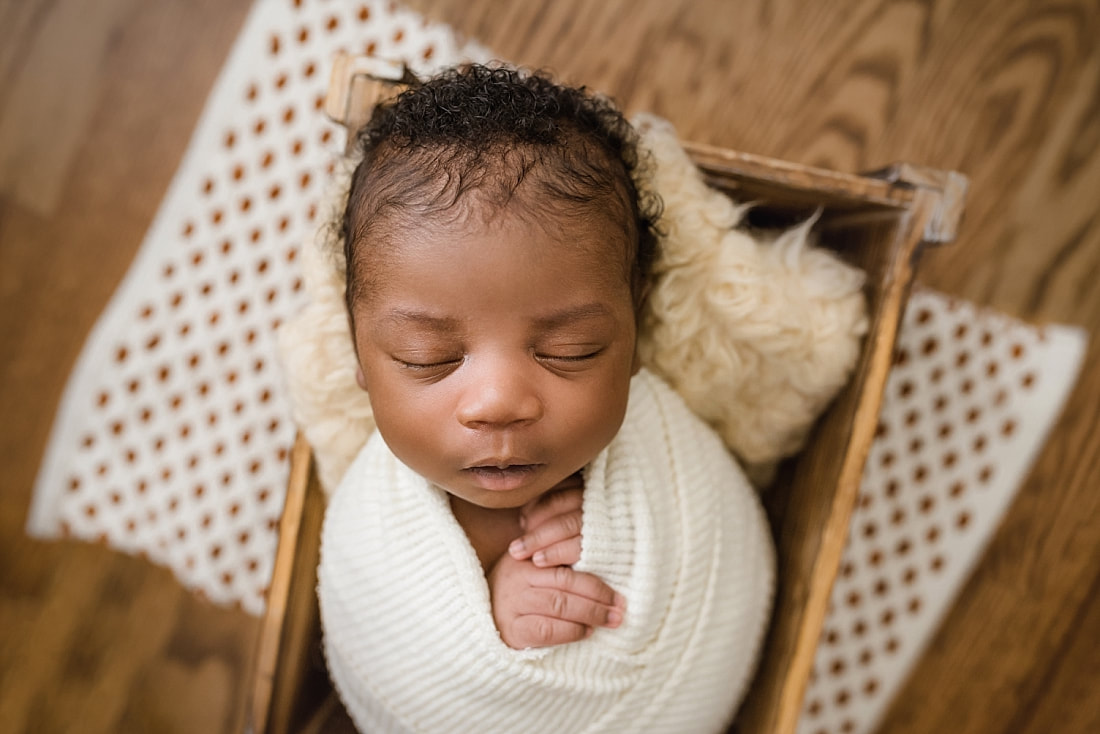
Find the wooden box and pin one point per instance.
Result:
(878, 222)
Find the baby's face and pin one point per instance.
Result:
(497, 356)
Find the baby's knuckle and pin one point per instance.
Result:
(537, 537)
(543, 632)
(563, 576)
(571, 523)
(559, 603)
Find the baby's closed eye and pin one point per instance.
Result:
(426, 360)
(569, 354)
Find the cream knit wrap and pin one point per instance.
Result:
(669, 521)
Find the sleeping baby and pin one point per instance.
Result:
(540, 535)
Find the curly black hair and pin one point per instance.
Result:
(517, 139)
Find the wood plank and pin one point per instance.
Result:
(1062, 700)
(43, 121)
(95, 100)
(288, 672)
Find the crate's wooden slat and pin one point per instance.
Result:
(810, 511)
(286, 669)
(790, 179)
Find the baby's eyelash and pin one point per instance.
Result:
(416, 366)
(570, 358)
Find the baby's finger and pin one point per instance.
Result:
(576, 582)
(533, 630)
(559, 604)
(555, 530)
(557, 502)
(564, 553)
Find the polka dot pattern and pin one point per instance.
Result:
(968, 403)
(173, 437)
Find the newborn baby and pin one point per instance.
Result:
(540, 536)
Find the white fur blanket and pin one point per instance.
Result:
(669, 521)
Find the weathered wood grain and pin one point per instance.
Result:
(97, 102)
(1007, 91)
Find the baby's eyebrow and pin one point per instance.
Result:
(401, 317)
(573, 314)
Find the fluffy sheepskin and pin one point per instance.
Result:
(319, 362)
(756, 333)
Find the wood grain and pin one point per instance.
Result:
(97, 102)
(1007, 91)
(289, 665)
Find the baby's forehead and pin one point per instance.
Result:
(587, 229)
(510, 245)
(498, 263)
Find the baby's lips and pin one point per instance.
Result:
(500, 462)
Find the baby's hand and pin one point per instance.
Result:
(552, 528)
(540, 607)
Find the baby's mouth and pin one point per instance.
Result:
(502, 476)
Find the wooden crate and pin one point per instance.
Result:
(877, 222)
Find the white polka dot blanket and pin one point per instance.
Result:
(172, 436)
(175, 427)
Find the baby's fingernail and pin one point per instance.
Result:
(614, 618)
(539, 559)
(517, 548)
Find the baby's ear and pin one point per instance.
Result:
(361, 379)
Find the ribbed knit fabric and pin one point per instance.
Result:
(669, 521)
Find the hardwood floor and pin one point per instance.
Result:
(97, 102)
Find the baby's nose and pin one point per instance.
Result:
(500, 396)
